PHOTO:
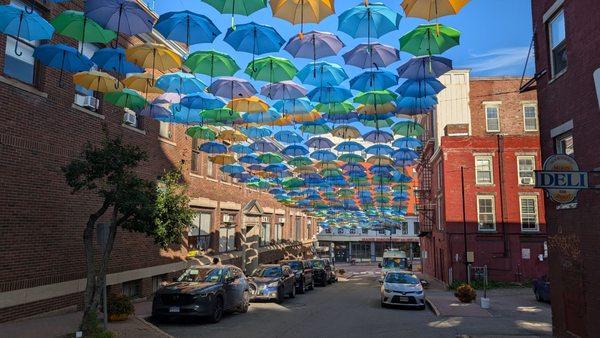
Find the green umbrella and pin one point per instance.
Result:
(331, 172)
(241, 7)
(126, 99)
(201, 132)
(259, 184)
(401, 187)
(299, 161)
(375, 97)
(292, 182)
(376, 123)
(351, 158)
(315, 129)
(219, 115)
(211, 63)
(429, 39)
(76, 25)
(335, 107)
(271, 69)
(270, 158)
(408, 128)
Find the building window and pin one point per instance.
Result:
(340, 231)
(133, 119)
(20, 67)
(404, 228)
(526, 166)
(298, 228)
(392, 231)
(209, 166)
(529, 213)
(483, 170)
(416, 227)
(564, 144)
(558, 43)
(365, 231)
(352, 231)
(199, 231)
(164, 129)
(492, 119)
(132, 289)
(226, 238)
(382, 232)
(265, 233)
(86, 98)
(440, 176)
(530, 117)
(486, 215)
(195, 168)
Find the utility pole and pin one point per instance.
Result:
(464, 210)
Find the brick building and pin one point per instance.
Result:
(41, 222)
(568, 84)
(485, 131)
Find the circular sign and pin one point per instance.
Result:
(561, 163)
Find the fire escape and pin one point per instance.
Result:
(425, 203)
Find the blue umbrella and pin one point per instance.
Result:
(284, 90)
(319, 142)
(425, 67)
(420, 88)
(380, 169)
(113, 59)
(254, 38)
(295, 150)
(24, 23)
(156, 111)
(239, 148)
(261, 117)
(323, 155)
(288, 136)
(415, 105)
(202, 100)
(378, 136)
(276, 168)
(322, 73)
(257, 166)
(379, 149)
(294, 106)
(329, 94)
(404, 154)
(187, 27)
(249, 159)
(232, 169)
(181, 83)
(369, 20)
(399, 177)
(62, 57)
(213, 148)
(341, 117)
(256, 132)
(183, 115)
(374, 80)
(242, 177)
(349, 146)
(264, 146)
(121, 16)
(407, 142)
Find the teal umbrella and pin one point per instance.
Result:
(240, 7)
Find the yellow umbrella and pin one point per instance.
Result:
(432, 9)
(302, 11)
(283, 121)
(383, 108)
(97, 81)
(153, 56)
(380, 160)
(308, 117)
(232, 135)
(305, 169)
(143, 82)
(251, 104)
(222, 159)
(345, 132)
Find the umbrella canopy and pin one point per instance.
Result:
(315, 128)
(22, 23)
(372, 55)
(126, 98)
(271, 69)
(232, 136)
(256, 132)
(213, 148)
(425, 67)
(335, 107)
(156, 111)
(288, 136)
(187, 27)
(222, 159)
(211, 63)
(97, 81)
(329, 94)
(263, 146)
(368, 20)
(154, 56)
(295, 150)
(314, 45)
(374, 80)
(62, 57)
(376, 97)
(219, 115)
(295, 106)
(319, 143)
(201, 132)
(349, 146)
(284, 90)
(113, 59)
(302, 11)
(239, 148)
(300, 161)
(232, 87)
(180, 82)
(241, 7)
(323, 155)
(142, 82)
(202, 100)
(251, 104)
(265, 117)
(270, 158)
(420, 88)
(76, 25)
(429, 39)
(408, 128)
(432, 9)
(232, 169)
(322, 73)
(345, 132)
(121, 16)
(379, 149)
(378, 136)
(254, 38)
(408, 143)
(249, 159)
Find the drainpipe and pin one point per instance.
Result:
(505, 252)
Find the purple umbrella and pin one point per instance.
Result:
(373, 55)
(319, 143)
(121, 16)
(231, 88)
(156, 111)
(264, 147)
(314, 45)
(284, 90)
(425, 67)
(169, 98)
(378, 136)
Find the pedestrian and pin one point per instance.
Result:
(216, 261)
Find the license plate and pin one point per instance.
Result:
(403, 299)
(174, 309)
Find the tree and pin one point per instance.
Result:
(135, 204)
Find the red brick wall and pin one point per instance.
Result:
(574, 257)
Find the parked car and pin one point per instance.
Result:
(402, 288)
(203, 291)
(303, 274)
(541, 289)
(272, 282)
(321, 272)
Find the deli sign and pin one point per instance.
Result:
(561, 178)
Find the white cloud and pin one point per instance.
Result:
(501, 61)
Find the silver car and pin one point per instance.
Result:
(402, 288)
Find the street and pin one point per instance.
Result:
(351, 308)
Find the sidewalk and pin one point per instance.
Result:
(63, 324)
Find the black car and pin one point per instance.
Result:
(303, 274)
(203, 291)
(321, 275)
(272, 282)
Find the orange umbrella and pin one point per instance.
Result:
(432, 9)
(251, 104)
(302, 11)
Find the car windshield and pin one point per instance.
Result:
(294, 265)
(401, 278)
(197, 275)
(394, 263)
(271, 271)
(318, 264)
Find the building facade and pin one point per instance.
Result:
(477, 202)
(46, 123)
(568, 89)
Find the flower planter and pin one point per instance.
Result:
(118, 317)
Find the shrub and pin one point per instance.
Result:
(119, 307)
(465, 293)
(341, 271)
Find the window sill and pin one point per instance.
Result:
(486, 231)
(211, 179)
(87, 111)
(557, 76)
(139, 131)
(532, 231)
(485, 184)
(23, 86)
(167, 141)
(195, 175)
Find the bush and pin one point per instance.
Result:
(465, 293)
(341, 271)
(119, 307)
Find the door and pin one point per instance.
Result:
(234, 289)
(288, 280)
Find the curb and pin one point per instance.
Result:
(432, 307)
(154, 328)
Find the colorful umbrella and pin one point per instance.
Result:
(142, 82)
(368, 20)
(249, 159)
(97, 81)
(241, 7)
(232, 136)
(322, 73)
(420, 88)
(425, 67)
(62, 57)
(315, 128)
(270, 158)
(302, 11)
(156, 111)
(310, 116)
(113, 59)
(294, 106)
(261, 117)
(429, 39)
(232, 87)
(349, 146)
(213, 148)
(379, 149)
(187, 27)
(264, 146)
(295, 150)
(378, 136)
(329, 94)
(319, 143)
(254, 38)
(271, 69)
(345, 132)
(126, 98)
(251, 104)
(284, 90)
(24, 23)
(241, 149)
(201, 132)
(256, 132)
(408, 143)
(202, 100)
(372, 55)
(219, 115)
(232, 169)
(121, 16)
(288, 136)
(76, 25)
(222, 159)
(374, 80)
(314, 45)
(432, 9)
(300, 161)
(335, 107)
(376, 97)
(211, 63)
(180, 82)
(408, 128)
(323, 155)
(154, 56)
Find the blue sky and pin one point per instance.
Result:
(495, 33)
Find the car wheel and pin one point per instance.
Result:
(384, 305)
(217, 314)
(301, 288)
(312, 285)
(280, 296)
(245, 302)
(293, 292)
(422, 307)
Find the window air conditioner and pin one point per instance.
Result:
(265, 219)
(227, 218)
(527, 180)
(130, 119)
(86, 101)
(281, 220)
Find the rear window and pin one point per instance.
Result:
(401, 278)
(294, 265)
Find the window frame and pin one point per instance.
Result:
(519, 171)
(537, 213)
(558, 143)
(493, 212)
(534, 106)
(167, 125)
(553, 73)
(196, 157)
(490, 158)
(487, 119)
